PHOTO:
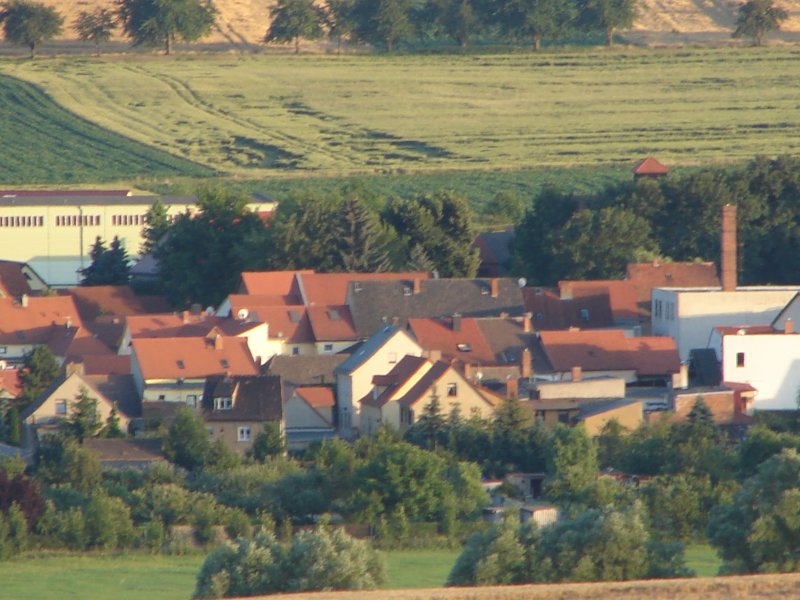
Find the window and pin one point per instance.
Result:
(295, 350)
(61, 407)
(464, 347)
(584, 315)
(223, 403)
(563, 416)
(392, 358)
(243, 434)
(191, 400)
(328, 348)
(3, 349)
(740, 359)
(162, 397)
(452, 389)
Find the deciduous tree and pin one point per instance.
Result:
(534, 19)
(30, 23)
(163, 22)
(187, 443)
(608, 16)
(39, 370)
(756, 18)
(382, 21)
(95, 26)
(294, 19)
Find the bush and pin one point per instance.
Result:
(323, 559)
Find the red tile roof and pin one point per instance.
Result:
(394, 379)
(33, 324)
(330, 323)
(650, 166)
(326, 289)
(252, 302)
(269, 283)
(646, 276)
(185, 325)
(10, 382)
(288, 323)
(317, 396)
(174, 358)
(610, 350)
(468, 345)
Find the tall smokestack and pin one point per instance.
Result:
(728, 250)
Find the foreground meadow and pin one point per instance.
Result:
(132, 576)
(257, 116)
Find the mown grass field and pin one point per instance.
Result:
(133, 576)
(255, 116)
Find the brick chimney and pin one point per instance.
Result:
(24, 300)
(184, 317)
(417, 286)
(512, 387)
(495, 287)
(526, 364)
(526, 322)
(435, 355)
(469, 372)
(788, 326)
(728, 249)
(217, 342)
(577, 373)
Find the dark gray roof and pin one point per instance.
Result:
(705, 366)
(374, 304)
(256, 398)
(596, 407)
(305, 370)
(119, 389)
(368, 348)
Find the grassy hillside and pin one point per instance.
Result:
(44, 143)
(262, 116)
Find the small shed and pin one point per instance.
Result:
(649, 167)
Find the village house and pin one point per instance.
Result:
(309, 415)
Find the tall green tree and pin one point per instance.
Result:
(459, 19)
(39, 370)
(29, 23)
(441, 225)
(339, 20)
(188, 443)
(294, 19)
(268, 442)
(534, 19)
(382, 21)
(756, 18)
(361, 244)
(232, 239)
(95, 26)
(109, 266)
(608, 16)
(157, 223)
(164, 22)
(84, 418)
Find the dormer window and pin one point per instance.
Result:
(484, 291)
(334, 315)
(584, 315)
(223, 403)
(407, 291)
(464, 347)
(294, 316)
(224, 362)
(181, 364)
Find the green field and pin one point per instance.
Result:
(254, 117)
(133, 577)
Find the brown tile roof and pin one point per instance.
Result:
(174, 358)
(550, 312)
(330, 323)
(394, 379)
(646, 276)
(254, 302)
(78, 345)
(468, 344)
(305, 370)
(326, 289)
(610, 351)
(10, 382)
(107, 364)
(125, 450)
(119, 389)
(13, 282)
(33, 324)
(254, 398)
(420, 389)
(506, 338)
(650, 166)
(93, 301)
(108, 330)
(621, 295)
(317, 396)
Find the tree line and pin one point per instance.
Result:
(563, 236)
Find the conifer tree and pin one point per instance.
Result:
(40, 369)
(361, 249)
(157, 224)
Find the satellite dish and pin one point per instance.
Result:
(522, 282)
(242, 314)
(479, 375)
